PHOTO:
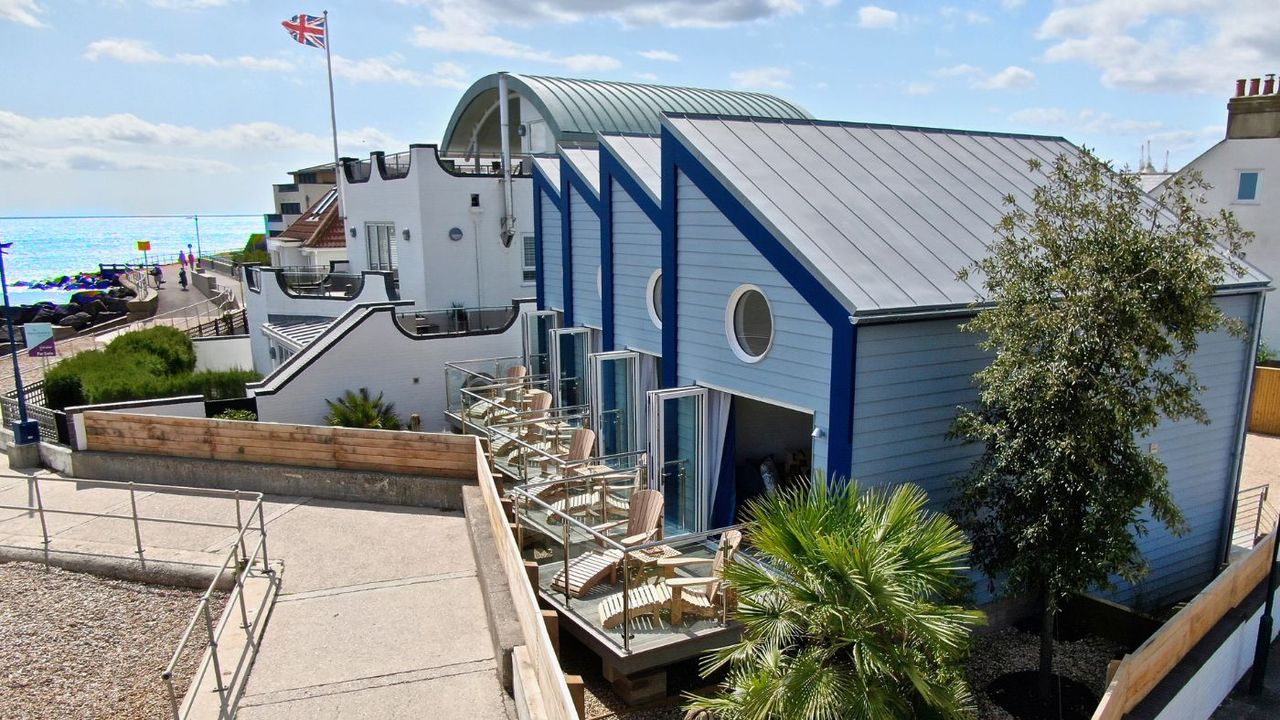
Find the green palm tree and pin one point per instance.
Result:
(358, 410)
(847, 617)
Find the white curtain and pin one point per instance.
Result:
(648, 370)
(718, 406)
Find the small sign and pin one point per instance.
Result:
(40, 340)
(144, 245)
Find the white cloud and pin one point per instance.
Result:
(870, 16)
(647, 77)
(629, 13)
(125, 141)
(659, 55)
(135, 51)
(187, 4)
(1010, 78)
(388, 69)
(23, 12)
(461, 30)
(1083, 122)
(769, 78)
(920, 88)
(953, 14)
(1011, 4)
(1166, 45)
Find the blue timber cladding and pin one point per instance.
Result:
(549, 242)
(637, 253)
(712, 259)
(584, 227)
(911, 376)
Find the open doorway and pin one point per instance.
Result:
(771, 448)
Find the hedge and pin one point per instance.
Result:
(141, 365)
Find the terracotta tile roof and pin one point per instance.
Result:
(320, 226)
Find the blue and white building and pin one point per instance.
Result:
(734, 289)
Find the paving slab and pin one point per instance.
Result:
(334, 544)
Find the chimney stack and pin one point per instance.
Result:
(1254, 112)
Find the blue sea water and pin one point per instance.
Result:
(47, 247)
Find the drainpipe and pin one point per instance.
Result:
(504, 128)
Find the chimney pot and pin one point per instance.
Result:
(1269, 85)
(1240, 87)
(1253, 86)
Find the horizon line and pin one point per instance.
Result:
(108, 217)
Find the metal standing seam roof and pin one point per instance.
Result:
(641, 155)
(884, 216)
(585, 162)
(577, 109)
(550, 168)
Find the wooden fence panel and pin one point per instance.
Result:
(1139, 673)
(435, 455)
(1264, 414)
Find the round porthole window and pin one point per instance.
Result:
(749, 323)
(655, 298)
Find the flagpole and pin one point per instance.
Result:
(333, 116)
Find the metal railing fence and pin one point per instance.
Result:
(456, 321)
(1255, 516)
(239, 558)
(37, 409)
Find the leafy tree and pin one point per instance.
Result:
(847, 621)
(1098, 297)
(360, 410)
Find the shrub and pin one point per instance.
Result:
(234, 414)
(62, 390)
(359, 410)
(169, 344)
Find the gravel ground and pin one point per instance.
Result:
(79, 646)
(1010, 650)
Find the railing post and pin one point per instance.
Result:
(567, 580)
(137, 532)
(213, 655)
(44, 527)
(244, 552)
(626, 603)
(262, 528)
(173, 697)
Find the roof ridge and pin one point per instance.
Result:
(863, 124)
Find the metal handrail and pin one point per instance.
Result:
(568, 521)
(238, 556)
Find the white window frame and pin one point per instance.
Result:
(1257, 187)
(528, 267)
(649, 304)
(730, 329)
(387, 255)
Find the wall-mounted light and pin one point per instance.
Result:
(353, 232)
(406, 234)
(455, 234)
(818, 433)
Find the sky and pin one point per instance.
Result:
(181, 106)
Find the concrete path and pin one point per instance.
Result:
(379, 614)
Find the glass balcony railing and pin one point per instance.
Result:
(476, 375)
(604, 561)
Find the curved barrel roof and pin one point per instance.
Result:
(576, 110)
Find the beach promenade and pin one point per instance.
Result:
(175, 307)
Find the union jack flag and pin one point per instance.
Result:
(306, 29)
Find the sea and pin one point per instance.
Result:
(46, 247)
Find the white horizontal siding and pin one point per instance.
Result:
(584, 228)
(552, 255)
(713, 259)
(637, 252)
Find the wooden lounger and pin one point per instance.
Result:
(587, 570)
(642, 600)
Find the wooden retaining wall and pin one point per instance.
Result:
(1264, 413)
(1140, 672)
(411, 453)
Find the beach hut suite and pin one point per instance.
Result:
(751, 299)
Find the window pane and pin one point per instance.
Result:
(1248, 186)
(753, 325)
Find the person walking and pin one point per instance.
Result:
(182, 277)
(182, 259)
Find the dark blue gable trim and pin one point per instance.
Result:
(539, 280)
(552, 189)
(606, 256)
(612, 167)
(579, 183)
(676, 158)
(566, 246)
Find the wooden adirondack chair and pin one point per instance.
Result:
(538, 402)
(588, 569)
(700, 596)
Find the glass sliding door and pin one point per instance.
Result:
(569, 350)
(615, 393)
(677, 456)
(537, 340)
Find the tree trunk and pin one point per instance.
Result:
(1046, 648)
